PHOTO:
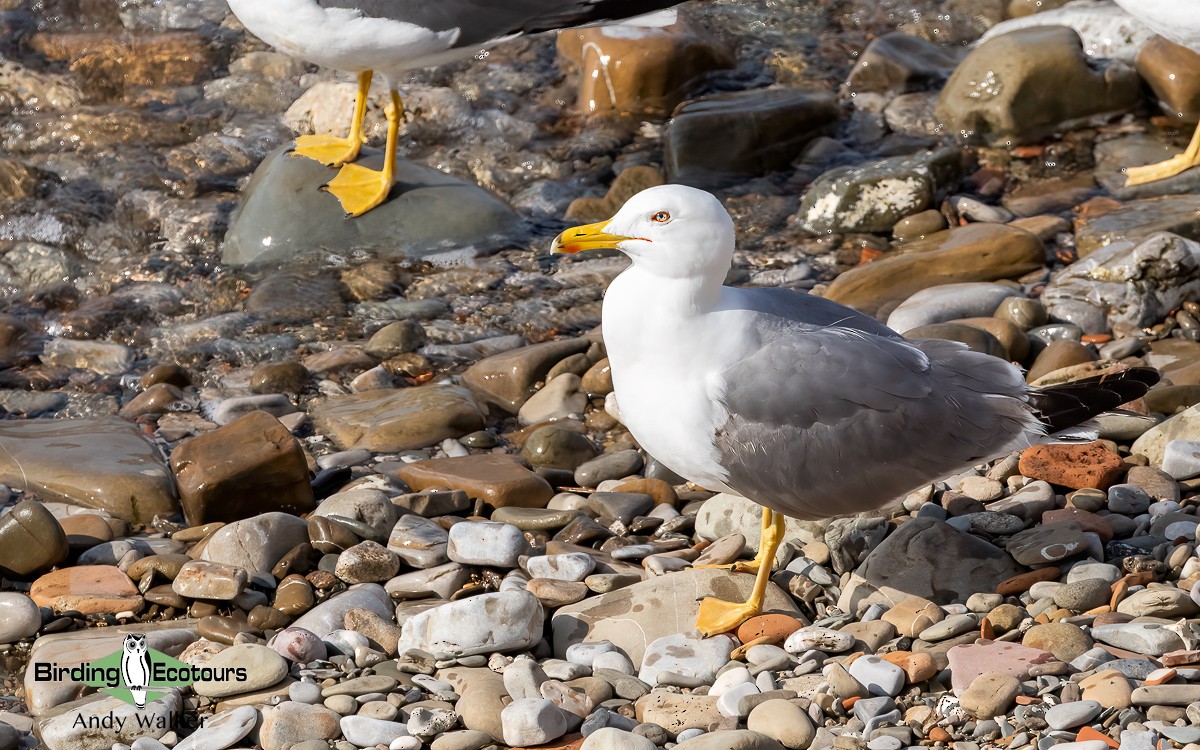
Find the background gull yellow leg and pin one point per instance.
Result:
(360, 189)
(1169, 168)
(718, 616)
(751, 566)
(333, 151)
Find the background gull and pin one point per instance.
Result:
(394, 36)
(808, 408)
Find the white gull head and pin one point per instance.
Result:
(671, 231)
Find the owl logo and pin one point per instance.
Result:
(135, 667)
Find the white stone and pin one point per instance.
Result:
(419, 542)
(330, 615)
(484, 624)
(615, 661)
(611, 738)
(729, 679)
(20, 618)
(495, 545)
(695, 657)
(364, 731)
(819, 639)
(879, 677)
(584, 654)
(727, 704)
(571, 566)
(63, 731)
(1181, 458)
(532, 721)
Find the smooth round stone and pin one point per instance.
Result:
(534, 519)
(298, 645)
(611, 738)
(554, 593)
(949, 627)
(495, 545)
(342, 704)
(360, 686)
(222, 730)
(364, 731)
(531, 721)
(1080, 596)
(263, 667)
(820, 639)
(727, 703)
(1073, 714)
(379, 710)
(783, 721)
(885, 742)
(20, 618)
(585, 654)
(305, 692)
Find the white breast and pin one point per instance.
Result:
(344, 39)
(662, 390)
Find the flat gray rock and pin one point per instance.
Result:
(285, 216)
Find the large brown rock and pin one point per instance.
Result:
(499, 480)
(507, 379)
(896, 63)
(639, 69)
(1136, 220)
(90, 589)
(976, 252)
(251, 465)
(108, 63)
(102, 463)
(1030, 83)
(31, 539)
(1173, 72)
(388, 420)
(912, 562)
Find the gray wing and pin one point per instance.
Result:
(807, 309)
(825, 421)
(484, 20)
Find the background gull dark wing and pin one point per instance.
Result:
(484, 20)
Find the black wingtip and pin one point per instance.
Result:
(1063, 406)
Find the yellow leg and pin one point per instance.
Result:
(718, 616)
(1169, 168)
(750, 566)
(361, 189)
(331, 150)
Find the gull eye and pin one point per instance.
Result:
(662, 217)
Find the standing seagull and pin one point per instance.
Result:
(395, 36)
(808, 408)
(1179, 22)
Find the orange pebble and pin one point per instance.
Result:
(849, 702)
(986, 631)
(1087, 733)
(1020, 583)
(775, 628)
(1161, 676)
(937, 734)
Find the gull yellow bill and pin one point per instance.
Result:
(587, 237)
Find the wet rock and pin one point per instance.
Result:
(627, 184)
(419, 542)
(611, 616)
(394, 420)
(31, 539)
(395, 339)
(1114, 157)
(976, 252)
(20, 617)
(909, 560)
(561, 398)
(367, 562)
(101, 463)
(507, 380)
(1108, 32)
(897, 63)
(499, 480)
(284, 216)
(635, 69)
(373, 508)
(1126, 286)
(488, 623)
(1168, 69)
(721, 139)
(1137, 220)
(97, 356)
(976, 339)
(874, 197)
(947, 302)
(1029, 83)
(255, 544)
(250, 466)
(205, 580)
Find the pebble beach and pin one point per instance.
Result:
(364, 484)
